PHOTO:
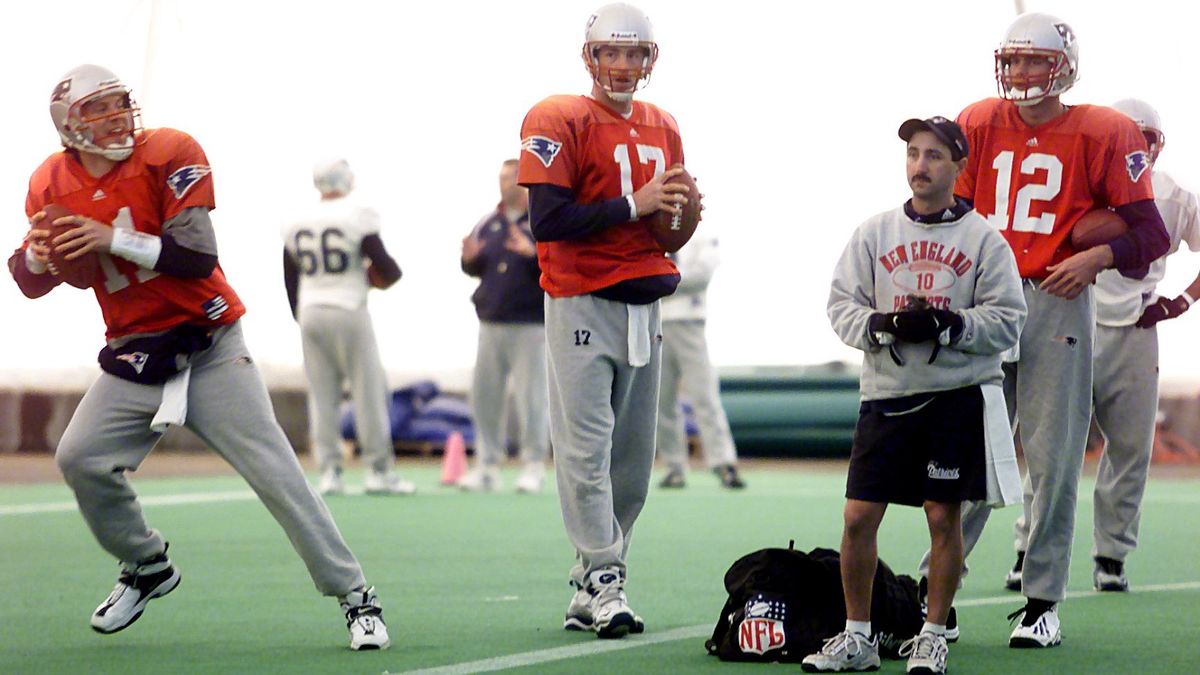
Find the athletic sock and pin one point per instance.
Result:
(936, 629)
(860, 627)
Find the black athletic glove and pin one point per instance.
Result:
(1162, 310)
(879, 332)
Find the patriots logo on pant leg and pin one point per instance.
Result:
(1136, 164)
(545, 149)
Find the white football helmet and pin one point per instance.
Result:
(77, 87)
(1035, 34)
(1147, 119)
(625, 26)
(333, 177)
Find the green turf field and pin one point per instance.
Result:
(474, 583)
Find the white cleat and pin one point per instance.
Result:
(1044, 631)
(364, 618)
(331, 483)
(138, 585)
(926, 654)
(845, 652)
(531, 478)
(377, 483)
(480, 479)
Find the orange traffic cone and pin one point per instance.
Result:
(454, 459)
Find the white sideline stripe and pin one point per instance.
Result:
(690, 632)
(161, 500)
(589, 648)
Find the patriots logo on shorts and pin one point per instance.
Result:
(1136, 164)
(135, 359)
(545, 149)
(185, 177)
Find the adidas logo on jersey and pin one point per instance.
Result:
(633, 133)
(1032, 142)
(99, 195)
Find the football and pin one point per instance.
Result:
(1097, 227)
(375, 278)
(671, 230)
(80, 272)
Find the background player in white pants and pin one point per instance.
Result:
(686, 370)
(174, 353)
(593, 165)
(1125, 374)
(510, 304)
(325, 259)
(1036, 167)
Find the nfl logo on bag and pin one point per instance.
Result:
(762, 629)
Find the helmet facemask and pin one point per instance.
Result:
(608, 78)
(1031, 90)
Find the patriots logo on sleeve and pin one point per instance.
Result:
(1136, 164)
(545, 149)
(185, 177)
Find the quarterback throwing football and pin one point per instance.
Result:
(174, 352)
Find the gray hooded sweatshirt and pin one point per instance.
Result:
(958, 263)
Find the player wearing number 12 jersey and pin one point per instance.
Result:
(1036, 166)
(594, 165)
(174, 352)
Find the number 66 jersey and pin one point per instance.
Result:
(167, 173)
(576, 143)
(1034, 183)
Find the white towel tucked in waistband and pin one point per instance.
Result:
(1003, 474)
(639, 335)
(173, 409)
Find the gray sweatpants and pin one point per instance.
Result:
(516, 352)
(1125, 393)
(228, 408)
(687, 370)
(1049, 394)
(602, 419)
(339, 346)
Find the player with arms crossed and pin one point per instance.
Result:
(930, 293)
(1036, 167)
(1125, 387)
(594, 165)
(174, 354)
(326, 276)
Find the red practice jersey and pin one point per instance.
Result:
(579, 144)
(166, 174)
(1034, 183)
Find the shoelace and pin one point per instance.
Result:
(921, 646)
(842, 641)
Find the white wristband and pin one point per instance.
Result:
(1188, 298)
(137, 247)
(33, 264)
(632, 207)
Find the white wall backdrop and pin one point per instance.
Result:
(788, 112)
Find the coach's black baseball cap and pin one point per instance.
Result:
(946, 131)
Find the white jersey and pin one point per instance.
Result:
(697, 261)
(1121, 300)
(327, 246)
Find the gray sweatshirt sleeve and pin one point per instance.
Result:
(994, 323)
(852, 295)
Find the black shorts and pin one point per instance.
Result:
(924, 447)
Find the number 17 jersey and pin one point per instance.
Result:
(1034, 183)
(579, 144)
